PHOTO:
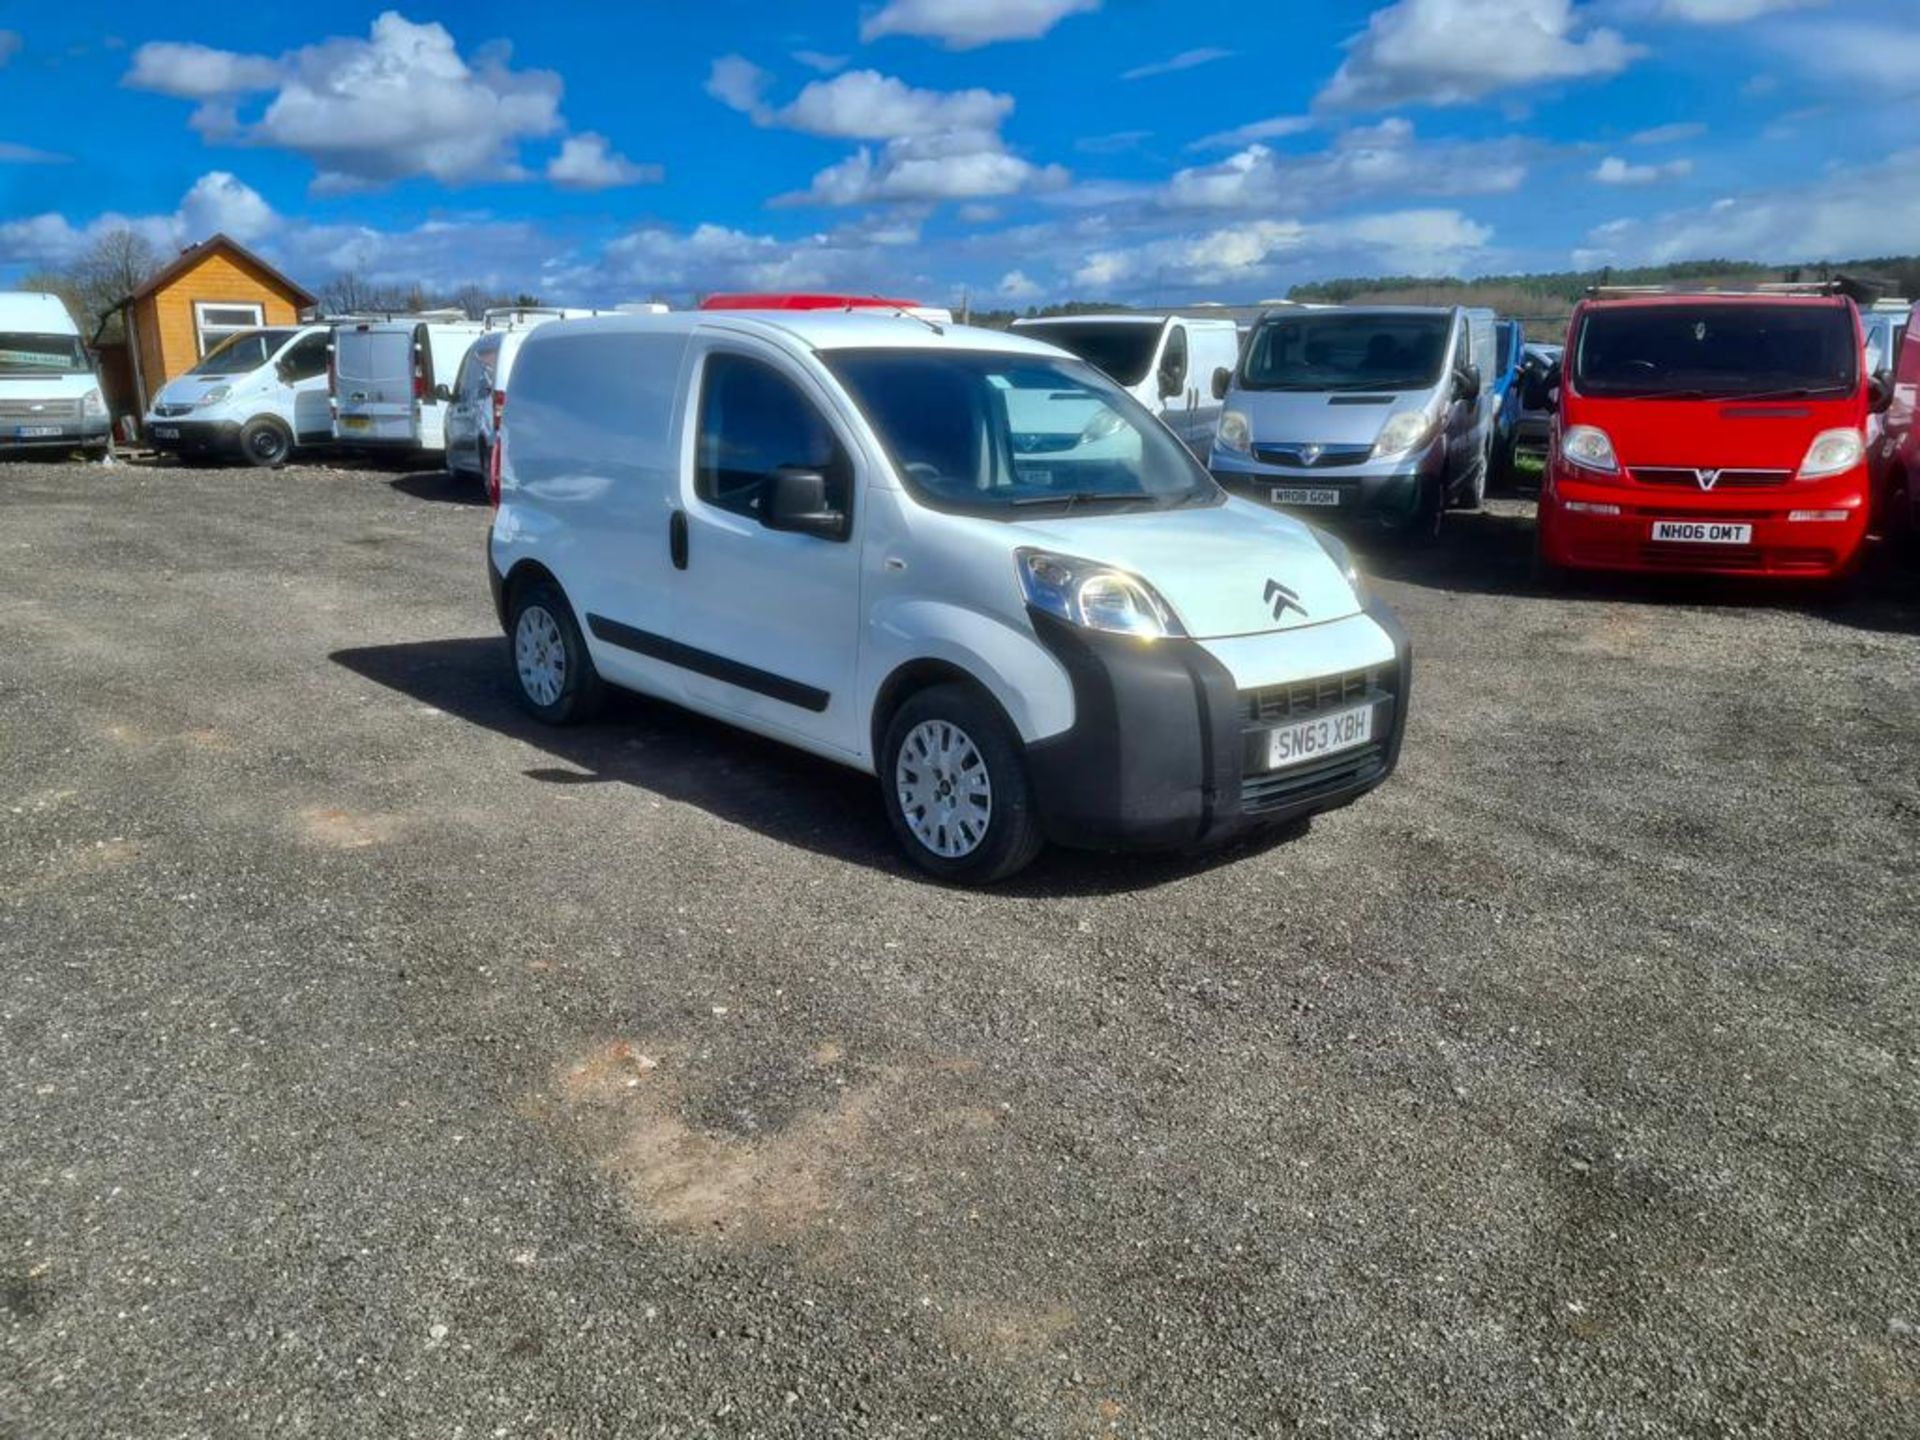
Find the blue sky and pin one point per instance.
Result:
(1026, 150)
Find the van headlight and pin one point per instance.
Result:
(1403, 432)
(1342, 558)
(1233, 433)
(1098, 597)
(214, 396)
(93, 404)
(1588, 447)
(1833, 452)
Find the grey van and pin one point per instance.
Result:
(1361, 412)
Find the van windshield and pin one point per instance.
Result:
(26, 353)
(1123, 349)
(1000, 435)
(1688, 352)
(237, 354)
(1335, 351)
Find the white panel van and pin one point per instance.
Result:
(830, 528)
(256, 396)
(393, 380)
(49, 396)
(1166, 362)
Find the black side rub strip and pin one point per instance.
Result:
(705, 662)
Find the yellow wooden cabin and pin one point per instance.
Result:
(206, 293)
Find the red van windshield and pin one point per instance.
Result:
(1709, 351)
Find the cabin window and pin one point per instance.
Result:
(214, 320)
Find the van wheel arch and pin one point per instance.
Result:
(909, 680)
(524, 573)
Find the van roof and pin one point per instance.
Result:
(808, 329)
(37, 312)
(1123, 317)
(1711, 297)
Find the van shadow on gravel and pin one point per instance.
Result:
(783, 793)
(441, 486)
(1490, 552)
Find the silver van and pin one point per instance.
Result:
(1361, 412)
(392, 380)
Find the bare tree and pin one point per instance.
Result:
(110, 270)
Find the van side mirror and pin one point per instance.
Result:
(1538, 386)
(1880, 391)
(443, 393)
(1466, 382)
(1222, 382)
(795, 499)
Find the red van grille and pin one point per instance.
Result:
(1721, 480)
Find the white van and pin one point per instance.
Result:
(824, 527)
(393, 379)
(49, 396)
(1165, 361)
(480, 385)
(255, 396)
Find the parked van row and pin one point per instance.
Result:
(965, 561)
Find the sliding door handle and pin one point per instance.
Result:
(677, 538)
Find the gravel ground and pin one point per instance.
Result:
(379, 1063)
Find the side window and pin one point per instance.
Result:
(1173, 361)
(753, 421)
(307, 357)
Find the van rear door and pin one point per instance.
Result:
(375, 365)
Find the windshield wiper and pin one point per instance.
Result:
(1070, 498)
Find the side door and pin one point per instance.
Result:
(1463, 415)
(764, 622)
(302, 368)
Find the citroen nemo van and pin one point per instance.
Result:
(1166, 362)
(255, 396)
(1716, 432)
(49, 396)
(1361, 412)
(830, 528)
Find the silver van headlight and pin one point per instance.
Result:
(1233, 432)
(213, 396)
(1095, 596)
(1403, 432)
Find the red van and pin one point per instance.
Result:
(1717, 432)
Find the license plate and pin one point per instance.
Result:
(34, 432)
(356, 423)
(1306, 740)
(1700, 532)
(166, 432)
(1301, 495)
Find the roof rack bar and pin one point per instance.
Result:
(1858, 290)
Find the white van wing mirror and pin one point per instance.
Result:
(795, 499)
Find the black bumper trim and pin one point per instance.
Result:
(705, 662)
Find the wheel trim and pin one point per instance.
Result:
(944, 790)
(540, 655)
(266, 443)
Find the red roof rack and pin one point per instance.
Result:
(778, 301)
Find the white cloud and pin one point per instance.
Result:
(12, 154)
(1669, 134)
(660, 259)
(221, 202)
(199, 72)
(1856, 55)
(402, 102)
(1452, 52)
(816, 60)
(1727, 12)
(858, 105)
(1016, 286)
(1842, 215)
(969, 24)
(1277, 128)
(1368, 160)
(587, 162)
(10, 43)
(958, 165)
(1185, 60)
(1615, 171)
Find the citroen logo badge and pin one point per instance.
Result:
(1282, 599)
(1707, 478)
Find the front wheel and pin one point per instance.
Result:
(558, 683)
(265, 442)
(954, 782)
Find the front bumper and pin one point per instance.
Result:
(1167, 750)
(1387, 491)
(90, 432)
(1575, 537)
(193, 437)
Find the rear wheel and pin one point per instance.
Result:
(265, 442)
(954, 782)
(558, 683)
